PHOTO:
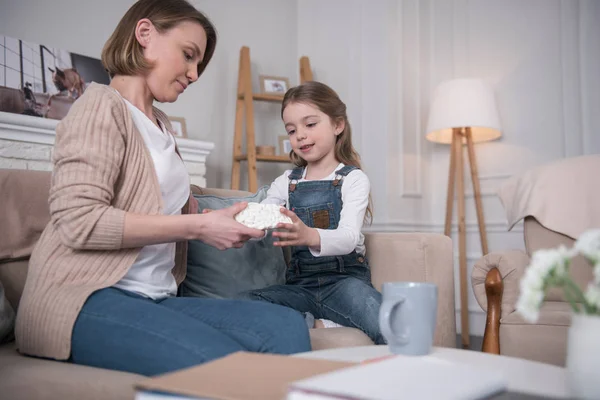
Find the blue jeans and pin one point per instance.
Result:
(123, 331)
(347, 299)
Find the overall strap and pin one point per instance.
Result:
(342, 172)
(294, 176)
(345, 170)
(296, 173)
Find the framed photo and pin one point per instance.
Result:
(43, 81)
(274, 84)
(179, 128)
(285, 146)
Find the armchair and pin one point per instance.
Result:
(495, 281)
(557, 202)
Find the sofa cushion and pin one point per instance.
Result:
(545, 341)
(332, 338)
(538, 237)
(535, 342)
(24, 212)
(12, 276)
(225, 273)
(24, 377)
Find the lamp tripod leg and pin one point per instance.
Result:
(450, 193)
(462, 243)
(477, 192)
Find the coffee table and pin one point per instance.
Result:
(523, 376)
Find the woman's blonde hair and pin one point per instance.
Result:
(122, 53)
(324, 98)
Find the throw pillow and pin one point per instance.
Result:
(226, 273)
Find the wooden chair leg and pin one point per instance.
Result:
(494, 288)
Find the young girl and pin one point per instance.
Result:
(327, 198)
(102, 281)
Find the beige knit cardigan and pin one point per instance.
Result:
(102, 170)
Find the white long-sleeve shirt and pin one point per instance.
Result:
(355, 198)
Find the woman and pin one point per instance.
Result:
(102, 282)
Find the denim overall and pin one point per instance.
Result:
(337, 288)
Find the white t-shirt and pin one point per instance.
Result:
(151, 273)
(355, 198)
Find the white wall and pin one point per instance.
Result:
(385, 58)
(268, 27)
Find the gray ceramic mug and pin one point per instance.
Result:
(407, 316)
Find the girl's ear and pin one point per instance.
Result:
(143, 31)
(340, 126)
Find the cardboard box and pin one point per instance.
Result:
(239, 376)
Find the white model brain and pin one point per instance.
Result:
(262, 216)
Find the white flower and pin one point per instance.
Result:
(547, 260)
(597, 273)
(532, 292)
(543, 263)
(588, 244)
(529, 303)
(592, 295)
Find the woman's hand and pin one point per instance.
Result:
(296, 233)
(219, 229)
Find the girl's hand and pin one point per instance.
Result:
(219, 229)
(296, 233)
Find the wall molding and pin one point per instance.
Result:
(411, 164)
(490, 177)
(583, 82)
(570, 77)
(438, 227)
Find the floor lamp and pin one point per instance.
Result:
(463, 111)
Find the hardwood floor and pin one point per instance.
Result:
(475, 342)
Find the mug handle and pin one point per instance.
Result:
(384, 321)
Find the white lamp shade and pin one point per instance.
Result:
(461, 103)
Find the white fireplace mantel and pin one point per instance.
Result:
(26, 143)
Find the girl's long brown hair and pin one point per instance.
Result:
(324, 98)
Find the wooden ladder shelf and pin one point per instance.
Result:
(244, 118)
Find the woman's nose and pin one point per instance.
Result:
(192, 74)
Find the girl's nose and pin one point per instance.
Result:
(300, 135)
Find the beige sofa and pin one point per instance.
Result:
(23, 195)
(557, 201)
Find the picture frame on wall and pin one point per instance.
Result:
(179, 126)
(43, 81)
(285, 146)
(273, 84)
